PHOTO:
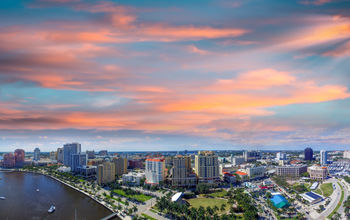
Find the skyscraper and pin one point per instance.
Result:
(36, 154)
(68, 150)
(308, 154)
(9, 160)
(181, 173)
(105, 173)
(207, 166)
(19, 156)
(323, 157)
(60, 155)
(251, 155)
(78, 160)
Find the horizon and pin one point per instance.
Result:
(165, 75)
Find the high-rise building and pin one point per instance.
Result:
(91, 154)
(281, 156)
(251, 155)
(155, 170)
(78, 160)
(105, 173)
(181, 173)
(53, 155)
(308, 154)
(346, 154)
(103, 153)
(68, 150)
(207, 166)
(256, 172)
(19, 156)
(236, 161)
(318, 172)
(323, 157)
(60, 155)
(121, 165)
(36, 154)
(9, 160)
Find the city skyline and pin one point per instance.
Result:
(183, 75)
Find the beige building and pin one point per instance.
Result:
(346, 154)
(317, 172)
(256, 172)
(121, 165)
(291, 171)
(207, 167)
(181, 173)
(105, 173)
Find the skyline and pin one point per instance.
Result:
(164, 75)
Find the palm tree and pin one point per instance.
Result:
(336, 216)
(223, 206)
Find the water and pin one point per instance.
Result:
(24, 202)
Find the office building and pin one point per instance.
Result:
(236, 161)
(19, 157)
(291, 171)
(105, 173)
(250, 156)
(121, 165)
(103, 153)
(60, 155)
(155, 170)
(9, 160)
(87, 171)
(68, 151)
(256, 172)
(323, 157)
(36, 154)
(281, 156)
(308, 154)
(91, 154)
(78, 160)
(181, 172)
(53, 155)
(207, 167)
(135, 164)
(318, 172)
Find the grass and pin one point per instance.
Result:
(122, 202)
(318, 191)
(219, 194)
(205, 202)
(339, 203)
(148, 217)
(327, 189)
(138, 197)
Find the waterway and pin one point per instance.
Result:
(23, 201)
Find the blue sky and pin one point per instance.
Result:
(173, 75)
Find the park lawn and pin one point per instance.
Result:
(205, 202)
(219, 194)
(318, 191)
(327, 189)
(138, 197)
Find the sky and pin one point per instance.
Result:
(174, 75)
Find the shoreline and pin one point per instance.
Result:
(85, 193)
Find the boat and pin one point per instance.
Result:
(51, 209)
(37, 190)
(2, 197)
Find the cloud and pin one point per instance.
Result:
(194, 49)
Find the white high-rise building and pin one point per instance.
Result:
(346, 154)
(36, 154)
(155, 170)
(323, 157)
(281, 156)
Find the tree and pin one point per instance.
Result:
(223, 206)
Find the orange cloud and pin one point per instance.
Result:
(194, 49)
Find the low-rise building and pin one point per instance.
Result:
(317, 172)
(87, 171)
(256, 172)
(242, 175)
(133, 178)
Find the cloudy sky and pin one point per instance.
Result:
(172, 75)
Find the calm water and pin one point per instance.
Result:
(24, 202)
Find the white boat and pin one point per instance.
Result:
(2, 197)
(51, 209)
(37, 190)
